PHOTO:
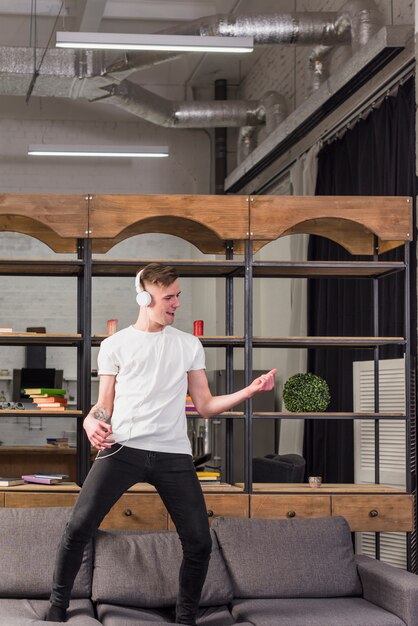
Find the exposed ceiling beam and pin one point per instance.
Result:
(89, 14)
(158, 10)
(93, 11)
(44, 8)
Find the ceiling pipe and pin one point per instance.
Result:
(274, 107)
(363, 19)
(297, 28)
(88, 74)
(188, 114)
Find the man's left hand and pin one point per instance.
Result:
(265, 382)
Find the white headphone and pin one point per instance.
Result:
(143, 297)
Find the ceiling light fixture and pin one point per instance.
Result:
(99, 151)
(175, 43)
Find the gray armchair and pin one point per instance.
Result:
(279, 468)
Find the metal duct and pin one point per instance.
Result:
(297, 28)
(300, 28)
(91, 75)
(275, 112)
(199, 114)
(318, 67)
(247, 141)
(364, 20)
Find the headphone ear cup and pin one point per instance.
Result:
(144, 298)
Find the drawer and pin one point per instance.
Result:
(289, 506)
(378, 513)
(225, 505)
(2, 499)
(137, 512)
(32, 500)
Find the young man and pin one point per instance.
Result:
(145, 371)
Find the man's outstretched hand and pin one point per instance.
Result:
(265, 382)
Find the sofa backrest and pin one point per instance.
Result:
(29, 540)
(142, 569)
(288, 558)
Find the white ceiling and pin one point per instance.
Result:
(178, 78)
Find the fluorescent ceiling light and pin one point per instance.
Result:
(99, 151)
(176, 43)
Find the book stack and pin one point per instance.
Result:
(10, 482)
(209, 478)
(47, 399)
(190, 407)
(61, 442)
(44, 479)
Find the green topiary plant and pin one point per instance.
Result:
(306, 393)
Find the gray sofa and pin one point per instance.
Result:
(262, 573)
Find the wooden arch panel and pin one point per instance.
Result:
(33, 228)
(205, 221)
(203, 238)
(351, 221)
(65, 215)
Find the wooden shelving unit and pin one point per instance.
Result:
(88, 225)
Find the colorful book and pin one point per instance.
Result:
(49, 399)
(10, 482)
(56, 476)
(203, 474)
(44, 390)
(41, 480)
(50, 405)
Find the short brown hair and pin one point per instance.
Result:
(158, 274)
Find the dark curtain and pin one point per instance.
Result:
(376, 157)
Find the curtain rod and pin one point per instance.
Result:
(367, 106)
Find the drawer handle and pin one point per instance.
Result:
(210, 513)
(374, 513)
(291, 514)
(127, 512)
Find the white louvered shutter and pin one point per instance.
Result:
(392, 455)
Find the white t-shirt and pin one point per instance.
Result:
(151, 386)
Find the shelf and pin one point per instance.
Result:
(222, 487)
(308, 342)
(325, 488)
(324, 269)
(227, 415)
(40, 267)
(39, 413)
(64, 486)
(331, 416)
(185, 267)
(47, 339)
(238, 341)
(220, 341)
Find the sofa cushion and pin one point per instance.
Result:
(313, 612)
(27, 612)
(142, 569)
(288, 558)
(29, 540)
(114, 615)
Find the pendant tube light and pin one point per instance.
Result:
(176, 43)
(99, 151)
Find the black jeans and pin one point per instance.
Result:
(175, 479)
